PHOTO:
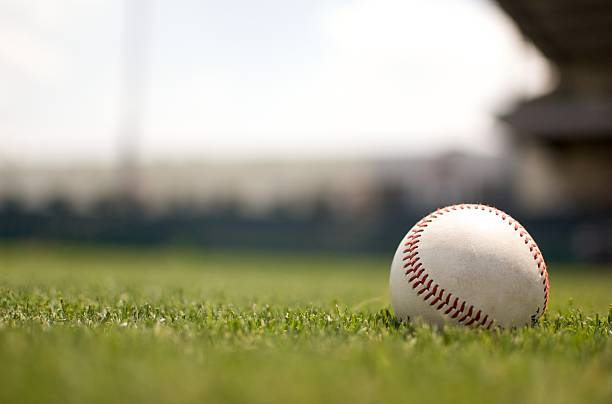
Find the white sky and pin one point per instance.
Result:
(237, 79)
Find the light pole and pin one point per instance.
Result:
(135, 46)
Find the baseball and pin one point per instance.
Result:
(472, 265)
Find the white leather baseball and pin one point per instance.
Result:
(472, 265)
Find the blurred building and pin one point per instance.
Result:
(564, 138)
(350, 205)
(348, 187)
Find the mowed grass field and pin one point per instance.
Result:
(93, 325)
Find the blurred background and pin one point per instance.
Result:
(327, 126)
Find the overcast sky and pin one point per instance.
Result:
(254, 79)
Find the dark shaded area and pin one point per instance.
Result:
(566, 31)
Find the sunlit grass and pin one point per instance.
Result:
(100, 324)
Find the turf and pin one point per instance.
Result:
(88, 325)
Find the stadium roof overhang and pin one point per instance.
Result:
(576, 36)
(568, 32)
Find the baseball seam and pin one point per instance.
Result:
(444, 301)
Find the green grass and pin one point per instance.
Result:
(88, 325)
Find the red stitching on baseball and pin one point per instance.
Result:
(411, 249)
(453, 307)
(458, 306)
(414, 268)
(411, 256)
(469, 313)
(474, 319)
